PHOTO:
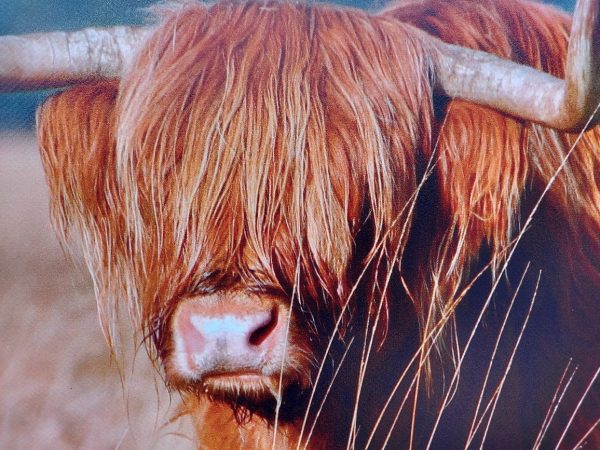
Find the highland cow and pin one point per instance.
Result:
(340, 229)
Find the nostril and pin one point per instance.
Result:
(259, 335)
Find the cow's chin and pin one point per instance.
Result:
(250, 393)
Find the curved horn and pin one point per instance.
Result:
(46, 60)
(527, 93)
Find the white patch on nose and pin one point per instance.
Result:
(224, 326)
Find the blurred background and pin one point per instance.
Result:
(59, 387)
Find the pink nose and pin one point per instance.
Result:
(234, 334)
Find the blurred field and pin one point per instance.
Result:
(58, 387)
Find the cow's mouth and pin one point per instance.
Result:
(230, 386)
(249, 393)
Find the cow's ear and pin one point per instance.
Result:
(482, 170)
(470, 201)
(77, 142)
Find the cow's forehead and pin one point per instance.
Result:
(273, 130)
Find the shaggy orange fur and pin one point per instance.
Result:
(301, 150)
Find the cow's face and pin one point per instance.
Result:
(261, 177)
(250, 187)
